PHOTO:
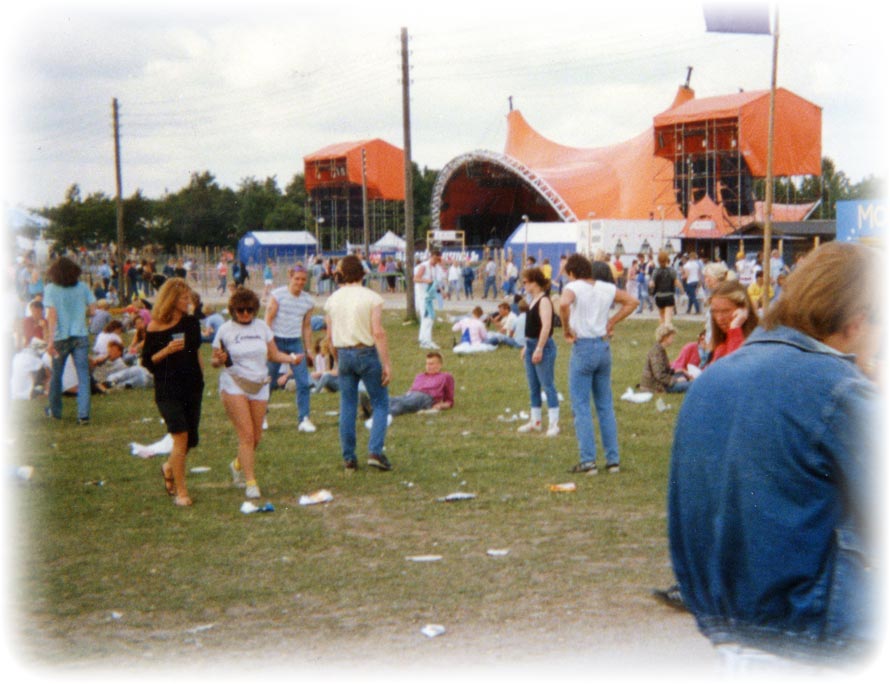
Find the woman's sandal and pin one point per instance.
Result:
(169, 484)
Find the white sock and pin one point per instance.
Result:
(536, 415)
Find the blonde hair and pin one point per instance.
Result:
(168, 295)
(735, 292)
(832, 285)
(663, 258)
(664, 330)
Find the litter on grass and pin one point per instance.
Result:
(162, 446)
(497, 553)
(636, 397)
(201, 628)
(660, 406)
(432, 631)
(457, 496)
(321, 496)
(508, 419)
(563, 487)
(247, 507)
(428, 558)
(200, 469)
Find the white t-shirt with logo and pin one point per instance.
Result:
(247, 347)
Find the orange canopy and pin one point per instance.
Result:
(798, 130)
(622, 181)
(341, 164)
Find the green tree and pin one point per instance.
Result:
(202, 213)
(290, 211)
(256, 202)
(423, 182)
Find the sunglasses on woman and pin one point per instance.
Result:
(245, 309)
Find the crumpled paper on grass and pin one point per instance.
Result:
(162, 446)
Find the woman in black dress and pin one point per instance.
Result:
(170, 353)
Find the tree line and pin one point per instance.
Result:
(202, 213)
(207, 214)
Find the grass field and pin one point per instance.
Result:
(108, 572)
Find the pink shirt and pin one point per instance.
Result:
(478, 333)
(440, 386)
(688, 354)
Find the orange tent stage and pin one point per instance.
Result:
(713, 147)
(341, 164)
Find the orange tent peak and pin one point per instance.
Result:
(684, 95)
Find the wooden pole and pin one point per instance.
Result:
(768, 203)
(119, 202)
(411, 311)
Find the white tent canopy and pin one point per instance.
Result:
(390, 242)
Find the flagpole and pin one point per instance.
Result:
(768, 199)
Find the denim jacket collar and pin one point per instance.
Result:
(795, 338)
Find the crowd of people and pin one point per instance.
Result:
(770, 545)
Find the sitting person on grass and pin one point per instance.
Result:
(505, 321)
(658, 376)
(112, 371)
(474, 334)
(692, 354)
(432, 389)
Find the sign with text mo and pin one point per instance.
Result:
(862, 219)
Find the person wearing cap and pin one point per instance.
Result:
(289, 315)
(658, 376)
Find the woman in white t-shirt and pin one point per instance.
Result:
(243, 345)
(585, 307)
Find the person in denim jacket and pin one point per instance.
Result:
(769, 500)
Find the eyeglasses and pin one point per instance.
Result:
(244, 309)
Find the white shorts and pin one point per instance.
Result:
(229, 386)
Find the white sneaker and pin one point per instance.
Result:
(265, 424)
(532, 425)
(553, 430)
(370, 421)
(252, 492)
(306, 425)
(237, 475)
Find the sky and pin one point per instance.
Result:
(248, 89)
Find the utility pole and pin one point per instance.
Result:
(768, 203)
(365, 229)
(118, 199)
(409, 180)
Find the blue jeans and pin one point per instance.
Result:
(590, 370)
(410, 402)
(79, 349)
(300, 371)
(501, 338)
(693, 300)
(361, 365)
(490, 284)
(540, 375)
(644, 296)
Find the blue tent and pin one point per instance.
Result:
(259, 245)
(545, 240)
